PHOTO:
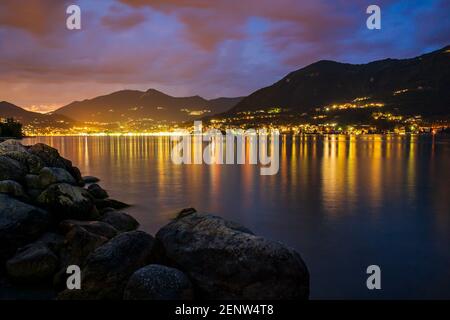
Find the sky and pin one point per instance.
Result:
(211, 48)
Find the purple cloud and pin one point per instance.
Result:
(188, 47)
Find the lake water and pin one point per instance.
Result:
(343, 203)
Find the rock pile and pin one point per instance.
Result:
(49, 220)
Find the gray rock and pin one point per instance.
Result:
(68, 202)
(224, 261)
(50, 156)
(78, 244)
(107, 270)
(13, 189)
(157, 282)
(11, 145)
(53, 241)
(90, 179)
(97, 227)
(32, 163)
(97, 192)
(20, 223)
(49, 176)
(32, 263)
(120, 220)
(11, 169)
(32, 182)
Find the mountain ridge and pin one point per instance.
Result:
(154, 105)
(10, 110)
(411, 86)
(425, 80)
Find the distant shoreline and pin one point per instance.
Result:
(281, 134)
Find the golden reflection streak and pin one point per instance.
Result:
(352, 172)
(411, 167)
(329, 178)
(376, 179)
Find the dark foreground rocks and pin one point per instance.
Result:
(49, 221)
(96, 227)
(20, 223)
(32, 263)
(68, 201)
(11, 169)
(108, 268)
(14, 189)
(48, 176)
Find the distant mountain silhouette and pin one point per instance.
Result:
(416, 86)
(9, 110)
(419, 85)
(138, 105)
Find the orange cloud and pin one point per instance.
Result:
(38, 17)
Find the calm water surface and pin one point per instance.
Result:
(343, 203)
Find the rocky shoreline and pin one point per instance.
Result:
(52, 218)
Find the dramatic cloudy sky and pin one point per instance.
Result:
(187, 47)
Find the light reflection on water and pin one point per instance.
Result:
(343, 202)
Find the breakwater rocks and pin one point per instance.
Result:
(51, 219)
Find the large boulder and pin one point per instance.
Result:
(13, 189)
(119, 220)
(20, 223)
(50, 156)
(78, 244)
(97, 227)
(37, 261)
(97, 192)
(32, 163)
(108, 268)
(11, 145)
(157, 282)
(225, 261)
(68, 202)
(49, 176)
(11, 169)
(33, 263)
